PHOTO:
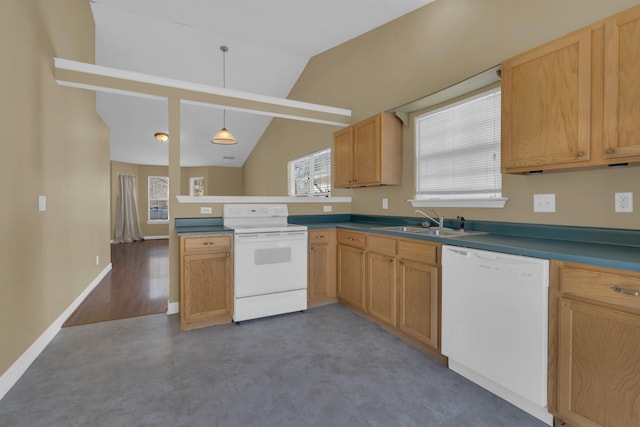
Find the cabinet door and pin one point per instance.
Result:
(622, 85)
(351, 267)
(367, 152)
(546, 104)
(342, 167)
(598, 365)
(320, 282)
(206, 288)
(418, 315)
(382, 275)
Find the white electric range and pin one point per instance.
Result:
(270, 261)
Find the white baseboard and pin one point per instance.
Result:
(19, 367)
(173, 308)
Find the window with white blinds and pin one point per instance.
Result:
(458, 150)
(311, 175)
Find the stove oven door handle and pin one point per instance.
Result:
(266, 237)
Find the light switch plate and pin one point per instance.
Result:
(385, 203)
(204, 210)
(42, 203)
(624, 202)
(544, 202)
(326, 208)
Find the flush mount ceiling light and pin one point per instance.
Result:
(223, 136)
(161, 136)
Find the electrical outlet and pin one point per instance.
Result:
(326, 208)
(97, 259)
(204, 210)
(42, 203)
(385, 203)
(624, 202)
(544, 202)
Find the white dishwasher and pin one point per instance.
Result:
(495, 322)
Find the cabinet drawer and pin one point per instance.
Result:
(351, 238)
(319, 237)
(419, 252)
(381, 245)
(206, 243)
(603, 286)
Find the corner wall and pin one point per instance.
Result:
(53, 144)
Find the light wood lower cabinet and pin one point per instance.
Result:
(206, 280)
(400, 287)
(321, 287)
(382, 289)
(419, 302)
(594, 370)
(351, 268)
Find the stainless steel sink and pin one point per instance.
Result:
(440, 232)
(403, 228)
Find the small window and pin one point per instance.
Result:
(458, 151)
(158, 199)
(311, 175)
(196, 186)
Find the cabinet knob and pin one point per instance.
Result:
(228, 254)
(609, 150)
(311, 248)
(580, 154)
(390, 259)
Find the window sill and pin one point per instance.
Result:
(157, 222)
(459, 203)
(261, 199)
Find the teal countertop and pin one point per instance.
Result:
(614, 248)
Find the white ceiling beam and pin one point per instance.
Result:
(112, 80)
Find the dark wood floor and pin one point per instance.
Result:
(137, 285)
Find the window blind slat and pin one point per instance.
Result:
(459, 149)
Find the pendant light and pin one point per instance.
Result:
(223, 136)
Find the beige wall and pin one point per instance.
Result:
(218, 180)
(53, 144)
(421, 53)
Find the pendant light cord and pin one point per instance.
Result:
(224, 50)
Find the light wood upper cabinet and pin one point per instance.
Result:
(206, 281)
(321, 267)
(342, 162)
(368, 153)
(546, 99)
(573, 102)
(594, 351)
(622, 86)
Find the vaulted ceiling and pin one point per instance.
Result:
(270, 43)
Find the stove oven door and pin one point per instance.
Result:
(267, 263)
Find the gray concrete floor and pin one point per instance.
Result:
(325, 367)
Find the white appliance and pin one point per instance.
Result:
(270, 261)
(494, 323)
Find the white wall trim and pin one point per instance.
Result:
(261, 199)
(173, 308)
(19, 367)
(156, 237)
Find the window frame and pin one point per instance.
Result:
(450, 200)
(291, 183)
(150, 200)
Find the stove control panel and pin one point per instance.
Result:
(255, 211)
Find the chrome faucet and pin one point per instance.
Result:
(439, 221)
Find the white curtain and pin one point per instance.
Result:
(127, 224)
